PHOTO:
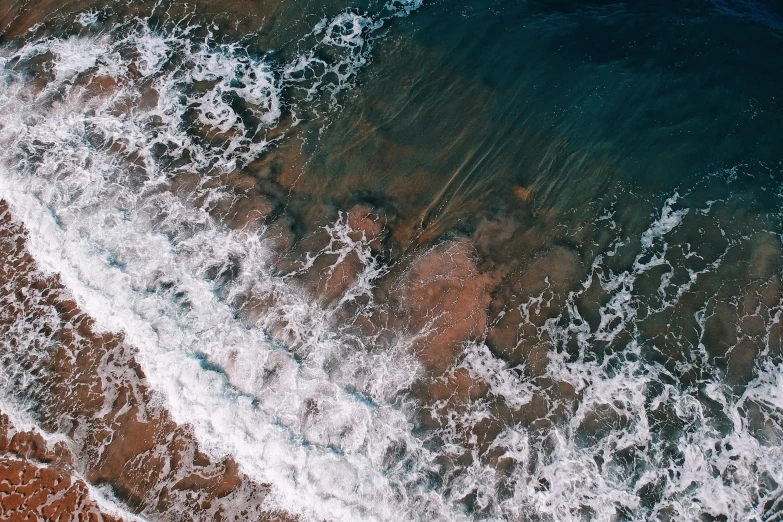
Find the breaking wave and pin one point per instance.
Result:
(118, 152)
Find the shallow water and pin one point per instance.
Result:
(415, 261)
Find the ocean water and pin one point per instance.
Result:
(489, 260)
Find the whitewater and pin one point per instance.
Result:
(265, 373)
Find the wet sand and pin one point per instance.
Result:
(561, 317)
(117, 434)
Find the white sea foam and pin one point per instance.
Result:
(724, 481)
(306, 403)
(21, 420)
(606, 459)
(138, 260)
